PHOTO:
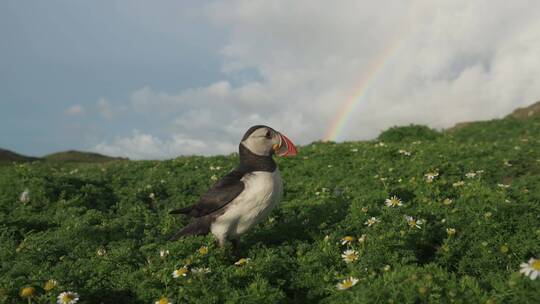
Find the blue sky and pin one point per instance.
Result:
(55, 54)
(154, 80)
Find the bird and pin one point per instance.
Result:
(246, 195)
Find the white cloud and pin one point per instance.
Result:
(146, 146)
(431, 62)
(75, 110)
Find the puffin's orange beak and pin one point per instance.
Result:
(285, 146)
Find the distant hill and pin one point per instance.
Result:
(526, 112)
(519, 113)
(9, 156)
(80, 157)
(65, 156)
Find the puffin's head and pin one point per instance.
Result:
(265, 141)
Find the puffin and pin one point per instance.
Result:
(246, 195)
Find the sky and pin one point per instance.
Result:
(159, 79)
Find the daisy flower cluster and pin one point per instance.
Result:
(65, 297)
(350, 255)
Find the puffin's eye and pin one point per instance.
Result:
(268, 134)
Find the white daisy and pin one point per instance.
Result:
(530, 269)
(25, 196)
(372, 221)
(152, 196)
(413, 223)
(349, 256)
(201, 270)
(404, 152)
(470, 175)
(68, 297)
(362, 238)
(430, 176)
(458, 184)
(503, 186)
(180, 272)
(347, 240)
(447, 201)
(163, 253)
(347, 283)
(394, 201)
(101, 252)
(450, 231)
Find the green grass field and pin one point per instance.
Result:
(472, 198)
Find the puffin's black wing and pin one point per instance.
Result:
(223, 192)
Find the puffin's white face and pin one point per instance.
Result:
(264, 141)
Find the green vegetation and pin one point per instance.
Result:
(473, 196)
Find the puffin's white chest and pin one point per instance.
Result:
(262, 192)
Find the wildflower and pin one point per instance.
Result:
(380, 144)
(101, 252)
(404, 152)
(365, 209)
(152, 196)
(242, 262)
(530, 269)
(372, 221)
(413, 223)
(394, 201)
(214, 177)
(430, 176)
(347, 240)
(163, 300)
(201, 270)
(50, 285)
(180, 272)
(450, 231)
(447, 201)
(507, 163)
(503, 186)
(330, 166)
(470, 175)
(387, 268)
(27, 292)
(458, 184)
(203, 250)
(68, 297)
(354, 150)
(347, 283)
(349, 256)
(362, 238)
(25, 196)
(163, 253)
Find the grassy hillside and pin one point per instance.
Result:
(470, 216)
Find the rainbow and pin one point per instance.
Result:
(374, 70)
